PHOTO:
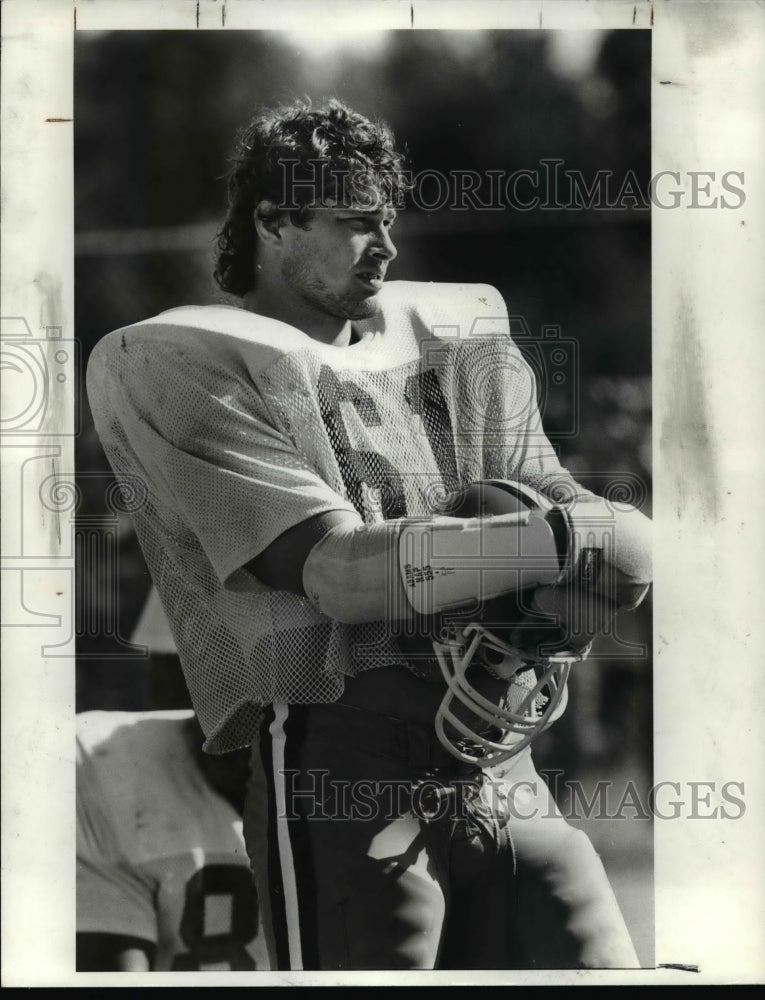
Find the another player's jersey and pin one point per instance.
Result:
(231, 428)
(160, 855)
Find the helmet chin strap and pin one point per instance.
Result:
(454, 657)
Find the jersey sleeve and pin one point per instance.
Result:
(507, 395)
(112, 896)
(535, 461)
(203, 435)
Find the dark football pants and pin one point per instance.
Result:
(372, 848)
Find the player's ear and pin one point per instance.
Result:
(268, 222)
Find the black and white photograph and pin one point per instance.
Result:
(369, 483)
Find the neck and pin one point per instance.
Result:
(287, 308)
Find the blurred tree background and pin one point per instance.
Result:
(155, 115)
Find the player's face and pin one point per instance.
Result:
(338, 264)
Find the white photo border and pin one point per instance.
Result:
(708, 82)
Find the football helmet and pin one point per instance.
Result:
(505, 662)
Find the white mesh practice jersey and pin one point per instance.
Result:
(160, 855)
(229, 428)
(152, 628)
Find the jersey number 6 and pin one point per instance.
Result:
(424, 398)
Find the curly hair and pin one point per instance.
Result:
(296, 157)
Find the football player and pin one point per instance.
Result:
(163, 879)
(343, 476)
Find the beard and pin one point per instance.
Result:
(299, 276)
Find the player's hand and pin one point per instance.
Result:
(575, 615)
(569, 622)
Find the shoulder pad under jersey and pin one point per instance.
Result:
(226, 334)
(408, 310)
(445, 309)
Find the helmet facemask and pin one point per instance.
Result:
(483, 732)
(505, 647)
